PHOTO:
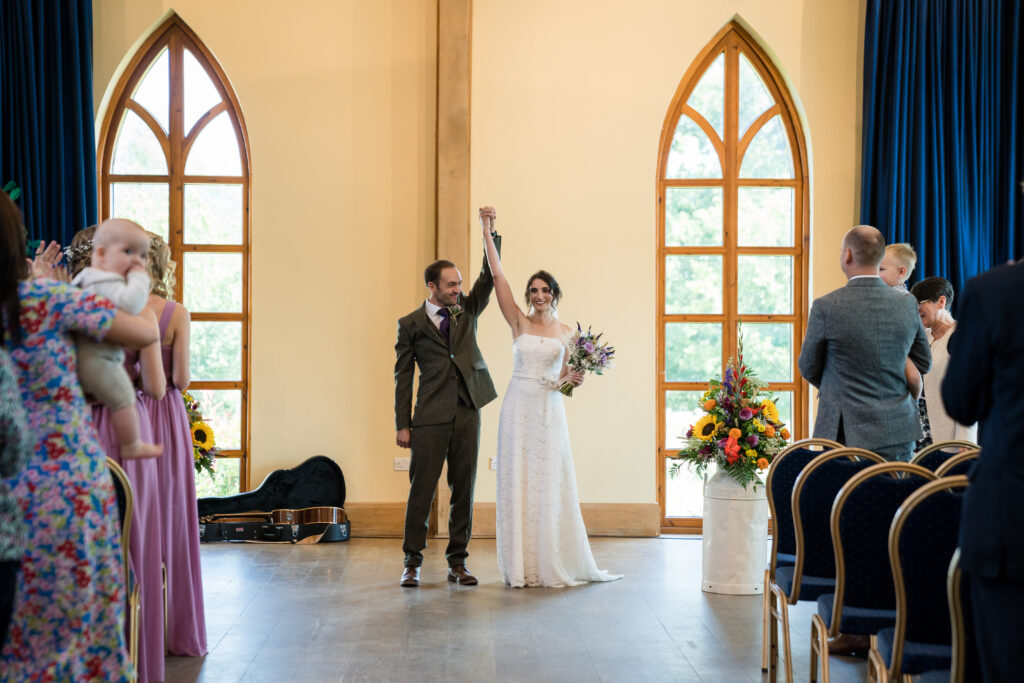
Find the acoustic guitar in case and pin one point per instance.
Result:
(304, 504)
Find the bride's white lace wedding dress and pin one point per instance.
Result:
(540, 534)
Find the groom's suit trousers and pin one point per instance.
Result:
(458, 442)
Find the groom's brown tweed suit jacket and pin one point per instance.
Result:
(449, 367)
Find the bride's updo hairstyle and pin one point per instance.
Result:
(556, 291)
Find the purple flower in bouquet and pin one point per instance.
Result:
(746, 414)
(752, 440)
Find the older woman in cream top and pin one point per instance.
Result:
(934, 300)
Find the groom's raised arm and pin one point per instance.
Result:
(480, 295)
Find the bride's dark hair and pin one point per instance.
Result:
(556, 291)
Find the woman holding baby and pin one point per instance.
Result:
(165, 486)
(110, 259)
(68, 616)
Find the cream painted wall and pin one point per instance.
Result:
(339, 101)
(568, 102)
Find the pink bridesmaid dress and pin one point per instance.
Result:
(146, 553)
(186, 623)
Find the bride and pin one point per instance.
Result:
(540, 534)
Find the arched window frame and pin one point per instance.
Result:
(732, 40)
(175, 35)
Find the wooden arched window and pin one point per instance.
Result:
(732, 235)
(174, 157)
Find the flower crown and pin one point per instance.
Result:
(81, 251)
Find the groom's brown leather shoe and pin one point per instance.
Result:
(410, 577)
(460, 575)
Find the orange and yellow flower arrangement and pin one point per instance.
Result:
(740, 431)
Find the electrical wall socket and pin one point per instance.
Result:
(494, 463)
(402, 464)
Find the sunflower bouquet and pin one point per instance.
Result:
(204, 449)
(740, 431)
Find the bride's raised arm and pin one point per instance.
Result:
(506, 300)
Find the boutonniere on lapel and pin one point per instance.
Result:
(454, 311)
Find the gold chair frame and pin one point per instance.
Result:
(769, 572)
(134, 605)
(971, 454)
(878, 670)
(819, 632)
(778, 601)
(941, 446)
(954, 585)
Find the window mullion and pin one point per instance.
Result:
(730, 210)
(177, 140)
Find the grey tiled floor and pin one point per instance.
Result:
(335, 612)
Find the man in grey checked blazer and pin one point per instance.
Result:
(855, 351)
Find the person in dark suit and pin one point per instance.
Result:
(454, 384)
(855, 351)
(983, 383)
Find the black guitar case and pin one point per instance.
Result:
(317, 482)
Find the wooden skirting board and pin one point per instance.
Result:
(386, 520)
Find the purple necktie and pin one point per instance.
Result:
(445, 320)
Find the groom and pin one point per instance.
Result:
(440, 336)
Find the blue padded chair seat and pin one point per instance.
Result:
(784, 560)
(936, 676)
(917, 657)
(810, 586)
(861, 621)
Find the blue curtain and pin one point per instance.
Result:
(47, 138)
(943, 150)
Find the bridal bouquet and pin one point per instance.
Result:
(587, 354)
(740, 431)
(204, 449)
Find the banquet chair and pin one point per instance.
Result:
(931, 457)
(782, 474)
(125, 508)
(965, 666)
(863, 600)
(958, 464)
(813, 569)
(922, 540)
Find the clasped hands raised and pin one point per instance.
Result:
(487, 216)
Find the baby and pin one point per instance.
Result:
(897, 265)
(117, 272)
(895, 269)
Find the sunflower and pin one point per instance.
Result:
(202, 435)
(705, 428)
(770, 412)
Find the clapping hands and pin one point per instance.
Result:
(487, 217)
(46, 263)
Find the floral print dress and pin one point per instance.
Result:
(68, 619)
